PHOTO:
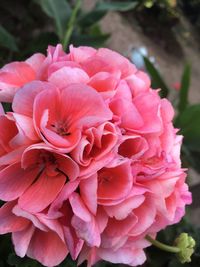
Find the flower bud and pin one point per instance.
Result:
(186, 245)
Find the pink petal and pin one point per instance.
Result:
(31, 217)
(14, 181)
(87, 230)
(13, 76)
(66, 76)
(122, 210)
(64, 194)
(74, 243)
(115, 182)
(24, 98)
(81, 53)
(88, 190)
(75, 107)
(9, 222)
(117, 228)
(21, 240)
(35, 61)
(104, 81)
(1, 110)
(123, 256)
(79, 207)
(42, 193)
(47, 248)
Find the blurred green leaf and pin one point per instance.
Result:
(14, 260)
(157, 80)
(59, 10)
(90, 18)
(185, 84)
(117, 6)
(189, 123)
(101, 9)
(191, 158)
(41, 42)
(91, 40)
(7, 40)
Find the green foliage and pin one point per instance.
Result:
(16, 261)
(185, 84)
(101, 8)
(59, 11)
(189, 123)
(7, 40)
(156, 78)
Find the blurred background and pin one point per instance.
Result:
(161, 37)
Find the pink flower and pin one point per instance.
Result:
(89, 158)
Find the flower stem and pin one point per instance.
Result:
(70, 25)
(162, 246)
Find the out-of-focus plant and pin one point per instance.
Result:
(163, 3)
(31, 25)
(187, 116)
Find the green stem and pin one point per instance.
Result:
(162, 246)
(70, 25)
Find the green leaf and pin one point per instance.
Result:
(14, 260)
(7, 40)
(59, 10)
(185, 84)
(117, 6)
(89, 40)
(157, 80)
(90, 18)
(101, 8)
(189, 123)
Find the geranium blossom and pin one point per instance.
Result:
(89, 158)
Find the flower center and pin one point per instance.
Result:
(48, 162)
(104, 177)
(60, 128)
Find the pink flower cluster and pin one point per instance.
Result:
(89, 159)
